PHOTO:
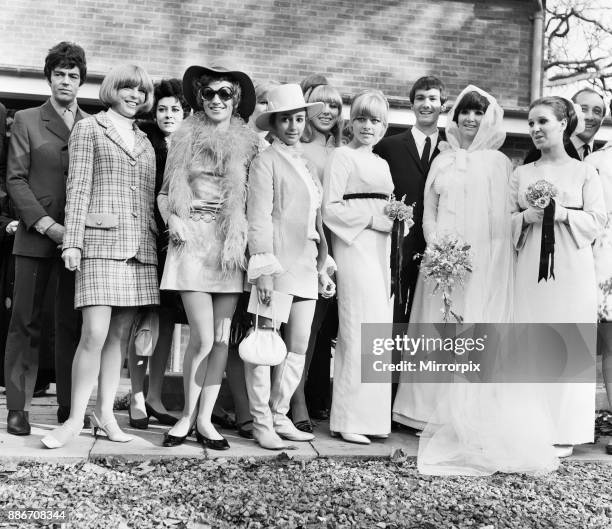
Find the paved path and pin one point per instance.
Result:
(147, 443)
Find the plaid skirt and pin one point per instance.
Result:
(116, 283)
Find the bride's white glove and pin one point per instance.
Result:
(533, 215)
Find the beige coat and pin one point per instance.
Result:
(278, 209)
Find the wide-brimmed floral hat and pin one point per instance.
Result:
(247, 98)
(285, 98)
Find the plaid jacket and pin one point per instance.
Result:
(110, 193)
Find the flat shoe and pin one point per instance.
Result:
(172, 440)
(140, 424)
(304, 426)
(18, 422)
(564, 450)
(355, 438)
(162, 418)
(212, 444)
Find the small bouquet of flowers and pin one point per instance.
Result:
(446, 264)
(401, 214)
(399, 210)
(540, 194)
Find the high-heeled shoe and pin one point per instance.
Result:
(110, 428)
(61, 435)
(213, 444)
(162, 418)
(140, 424)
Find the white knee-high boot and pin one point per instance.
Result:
(285, 380)
(258, 388)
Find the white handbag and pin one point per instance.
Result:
(263, 347)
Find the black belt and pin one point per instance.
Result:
(365, 195)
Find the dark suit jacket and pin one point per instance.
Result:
(400, 152)
(534, 154)
(37, 170)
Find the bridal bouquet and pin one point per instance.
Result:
(605, 289)
(540, 194)
(446, 264)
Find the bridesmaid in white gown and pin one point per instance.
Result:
(571, 296)
(362, 245)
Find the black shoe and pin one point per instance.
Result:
(140, 424)
(244, 432)
(40, 391)
(63, 413)
(319, 415)
(609, 448)
(224, 421)
(18, 422)
(172, 440)
(304, 426)
(213, 444)
(162, 418)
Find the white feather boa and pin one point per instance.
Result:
(197, 143)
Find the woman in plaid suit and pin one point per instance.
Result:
(110, 241)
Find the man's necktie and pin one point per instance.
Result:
(586, 151)
(425, 154)
(68, 118)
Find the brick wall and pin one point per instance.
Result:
(380, 43)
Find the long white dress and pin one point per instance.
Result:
(466, 195)
(363, 284)
(602, 249)
(571, 297)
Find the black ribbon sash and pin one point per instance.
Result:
(365, 195)
(397, 260)
(547, 244)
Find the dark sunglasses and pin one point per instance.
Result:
(224, 93)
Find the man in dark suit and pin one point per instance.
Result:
(37, 169)
(409, 156)
(581, 145)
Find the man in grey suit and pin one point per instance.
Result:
(37, 169)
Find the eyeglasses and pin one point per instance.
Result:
(224, 93)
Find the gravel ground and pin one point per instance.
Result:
(320, 493)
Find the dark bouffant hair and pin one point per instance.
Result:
(427, 83)
(170, 88)
(66, 55)
(471, 101)
(562, 109)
